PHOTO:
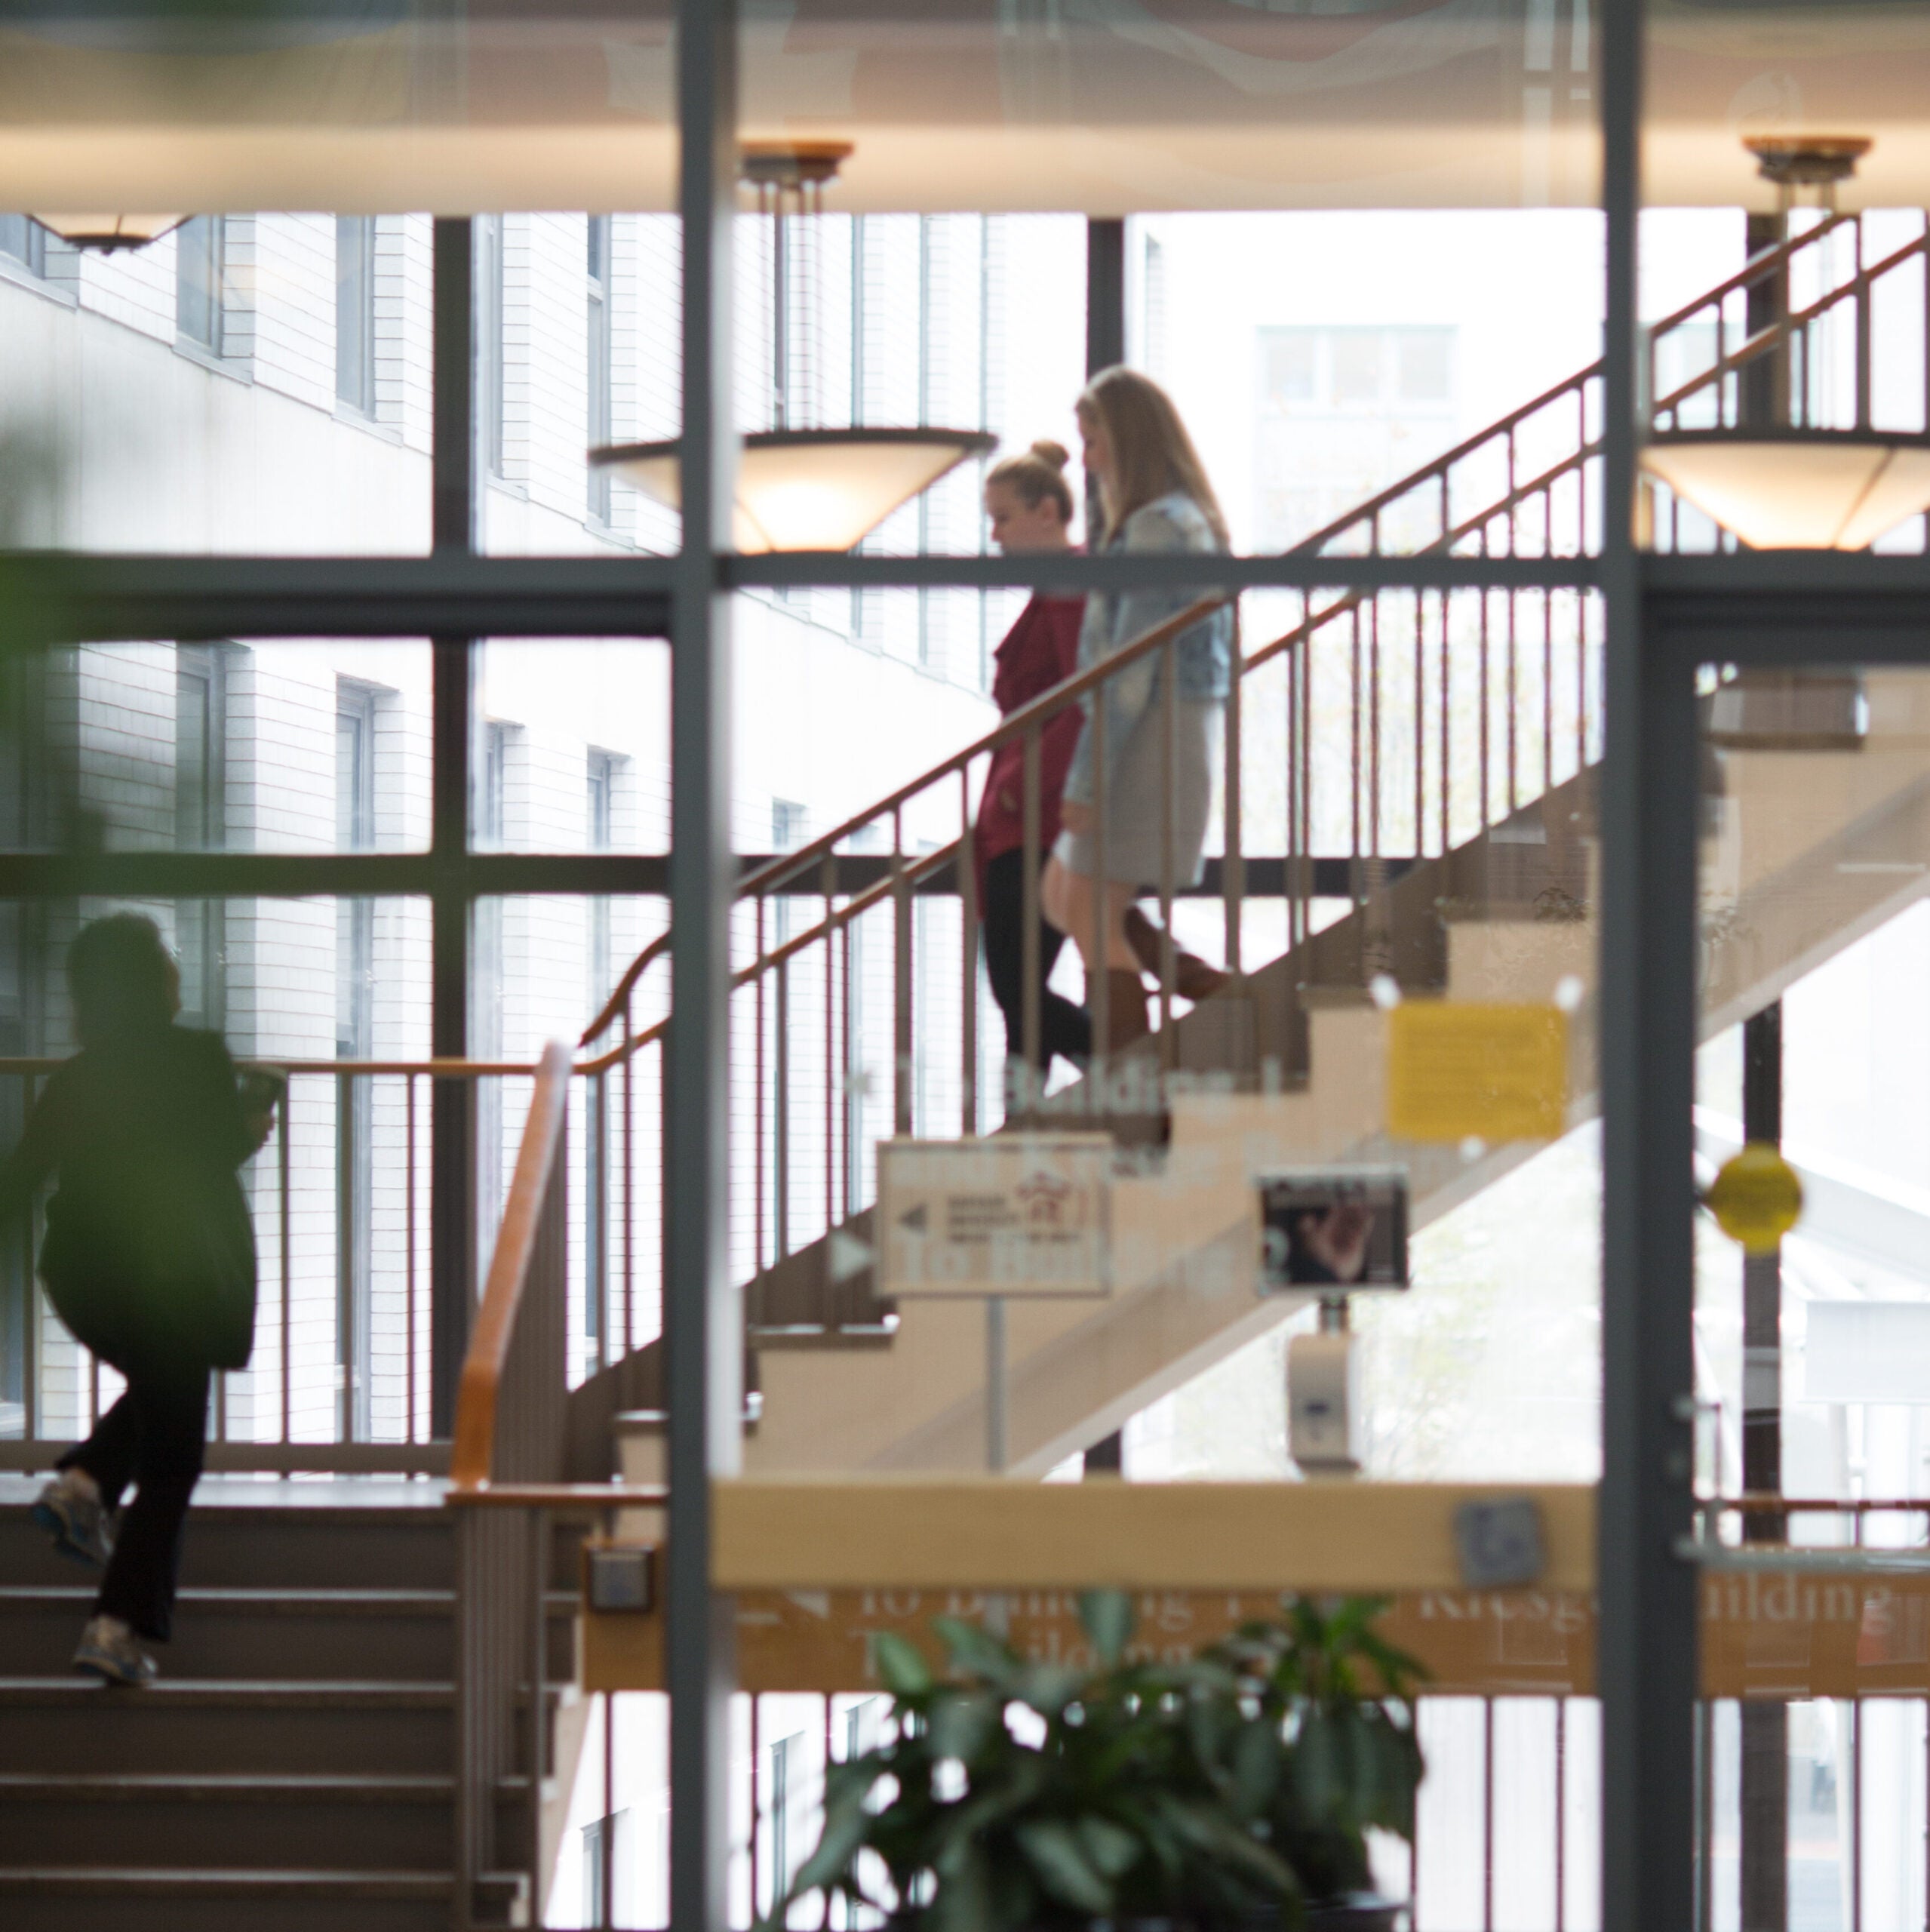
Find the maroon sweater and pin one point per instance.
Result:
(1041, 650)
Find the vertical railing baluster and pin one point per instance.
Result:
(1420, 597)
(781, 1109)
(1169, 782)
(837, 941)
(903, 1108)
(1374, 704)
(409, 1247)
(1485, 707)
(757, 1090)
(1098, 1000)
(1487, 1814)
(1854, 1714)
(630, 1052)
(32, 1415)
(1441, 610)
(283, 1166)
(1561, 1814)
(968, 960)
(1354, 759)
(1234, 862)
(1031, 995)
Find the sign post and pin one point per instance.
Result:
(1014, 1215)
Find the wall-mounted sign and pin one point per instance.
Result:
(1333, 1228)
(1011, 1214)
(1780, 1636)
(1477, 1070)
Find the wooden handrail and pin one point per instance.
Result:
(1049, 704)
(1015, 725)
(472, 1459)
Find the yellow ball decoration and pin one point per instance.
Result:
(1756, 1197)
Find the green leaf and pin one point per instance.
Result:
(1111, 1848)
(1048, 1687)
(846, 1827)
(902, 1668)
(1256, 1766)
(1313, 1769)
(977, 1652)
(1108, 1618)
(961, 1723)
(1054, 1853)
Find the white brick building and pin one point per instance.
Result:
(261, 384)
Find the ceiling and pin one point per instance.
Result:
(1098, 106)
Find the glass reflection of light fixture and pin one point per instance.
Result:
(105, 233)
(799, 488)
(1779, 485)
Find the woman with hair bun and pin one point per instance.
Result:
(1029, 504)
(1156, 498)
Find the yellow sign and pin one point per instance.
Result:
(1468, 1069)
(1774, 1635)
(1756, 1198)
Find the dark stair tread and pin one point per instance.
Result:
(269, 1883)
(266, 1787)
(302, 1600)
(307, 1692)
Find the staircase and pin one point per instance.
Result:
(292, 1767)
(300, 1764)
(1470, 869)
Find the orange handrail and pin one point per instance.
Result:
(473, 1456)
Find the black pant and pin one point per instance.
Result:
(1064, 1028)
(153, 1437)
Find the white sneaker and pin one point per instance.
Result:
(71, 1512)
(109, 1650)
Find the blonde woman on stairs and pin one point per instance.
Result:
(1155, 497)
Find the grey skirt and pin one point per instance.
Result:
(1133, 833)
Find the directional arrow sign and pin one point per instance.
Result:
(1013, 1214)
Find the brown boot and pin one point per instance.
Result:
(1127, 1017)
(1192, 978)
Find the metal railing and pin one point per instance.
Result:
(341, 1377)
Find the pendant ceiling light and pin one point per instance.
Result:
(801, 487)
(1779, 484)
(105, 233)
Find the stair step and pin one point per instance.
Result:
(406, 1634)
(230, 1545)
(54, 1898)
(73, 1724)
(172, 1820)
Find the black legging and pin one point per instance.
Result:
(1064, 1028)
(154, 1437)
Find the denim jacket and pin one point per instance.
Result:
(1203, 655)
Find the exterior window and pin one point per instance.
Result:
(355, 1039)
(24, 241)
(488, 984)
(607, 1837)
(598, 363)
(488, 231)
(200, 246)
(600, 804)
(200, 823)
(354, 311)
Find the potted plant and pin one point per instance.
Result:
(1322, 1750)
(1133, 1791)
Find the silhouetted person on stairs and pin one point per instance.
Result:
(149, 1258)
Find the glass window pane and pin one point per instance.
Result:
(238, 746)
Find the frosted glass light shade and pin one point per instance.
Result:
(107, 232)
(809, 489)
(1801, 489)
